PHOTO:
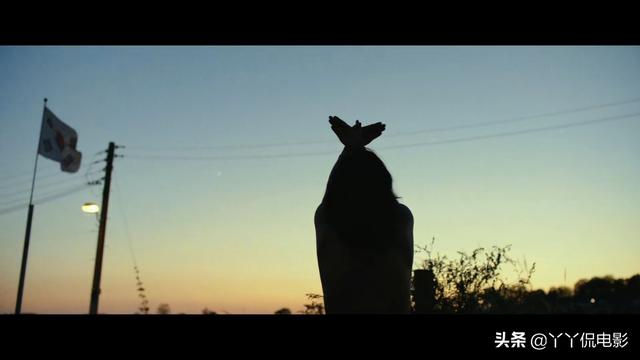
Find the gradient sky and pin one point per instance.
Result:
(237, 235)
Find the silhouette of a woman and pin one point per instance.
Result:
(364, 236)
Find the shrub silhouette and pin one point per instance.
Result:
(474, 282)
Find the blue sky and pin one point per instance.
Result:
(237, 234)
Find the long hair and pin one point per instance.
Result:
(359, 201)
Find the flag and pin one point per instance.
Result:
(58, 142)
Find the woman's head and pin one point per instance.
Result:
(359, 177)
(359, 198)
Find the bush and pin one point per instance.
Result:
(474, 282)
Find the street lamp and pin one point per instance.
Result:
(91, 208)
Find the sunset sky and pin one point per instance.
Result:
(214, 220)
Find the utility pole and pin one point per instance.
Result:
(97, 273)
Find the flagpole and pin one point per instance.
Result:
(25, 250)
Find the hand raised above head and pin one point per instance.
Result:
(371, 132)
(357, 135)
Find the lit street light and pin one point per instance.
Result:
(91, 208)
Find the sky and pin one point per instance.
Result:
(213, 220)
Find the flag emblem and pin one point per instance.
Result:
(58, 142)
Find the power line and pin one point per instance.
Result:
(24, 187)
(438, 142)
(144, 301)
(48, 173)
(125, 222)
(44, 199)
(233, 147)
(231, 157)
(515, 132)
(18, 198)
(53, 172)
(512, 120)
(397, 134)
(89, 172)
